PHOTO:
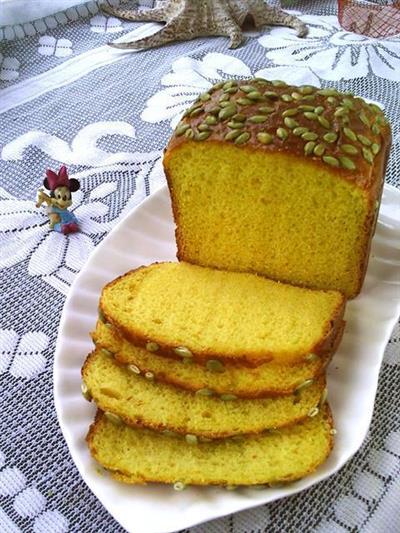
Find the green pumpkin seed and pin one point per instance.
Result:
(133, 369)
(350, 134)
(310, 115)
(330, 137)
(364, 140)
(227, 112)
(290, 112)
(243, 101)
(189, 133)
(266, 109)
(263, 81)
(232, 90)
(224, 98)
(254, 95)
(367, 154)
(152, 346)
(309, 136)
(300, 130)
(319, 110)
(331, 100)
(278, 83)
(264, 138)
(364, 119)
(228, 397)
(115, 419)
(324, 122)
(203, 136)
(228, 84)
(149, 376)
(303, 107)
(307, 383)
(247, 88)
(319, 149)
(204, 392)
(271, 95)
(86, 392)
(376, 148)
(376, 129)
(346, 162)
(217, 86)
(282, 133)
(375, 108)
(179, 486)
(348, 102)
(180, 129)
(106, 352)
(232, 135)
(290, 122)
(182, 351)
(328, 92)
(191, 439)
(286, 98)
(235, 125)
(309, 147)
(349, 149)
(306, 89)
(215, 366)
(311, 357)
(214, 110)
(243, 138)
(309, 97)
(225, 104)
(196, 112)
(210, 120)
(330, 160)
(204, 97)
(313, 412)
(203, 127)
(239, 118)
(296, 96)
(257, 119)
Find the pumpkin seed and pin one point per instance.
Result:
(364, 140)
(309, 147)
(204, 392)
(247, 88)
(367, 154)
(228, 84)
(290, 122)
(191, 439)
(330, 160)
(196, 112)
(300, 130)
(217, 86)
(239, 118)
(203, 127)
(235, 125)
(243, 101)
(210, 120)
(227, 112)
(324, 122)
(214, 110)
(350, 134)
(203, 136)
(215, 366)
(115, 419)
(328, 92)
(349, 149)
(182, 351)
(232, 135)
(319, 149)
(375, 129)
(266, 109)
(375, 148)
(180, 129)
(232, 90)
(310, 115)
(346, 162)
(307, 383)
(313, 412)
(348, 102)
(330, 137)
(278, 83)
(243, 138)
(296, 96)
(309, 136)
(271, 95)
(179, 486)
(257, 119)
(133, 369)
(86, 392)
(152, 346)
(290, 112)
(224, 98)
(228, 397)
(204, 97)
(306, 89)
(309, 97)
(319, 110)
(263, 81)
(375, 108)
(254, 95)
(282, 133)
(265, 138)
(331, 100)
(310, 357)
(303, 107)
(189, 133)
(364, 119)
(225, 104)
(286, 98)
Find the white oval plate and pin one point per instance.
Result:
(147, 235)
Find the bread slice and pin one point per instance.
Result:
(143, 402)
(268, 379)
(183, 310)
(140, 456)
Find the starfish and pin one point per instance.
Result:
(188, 19)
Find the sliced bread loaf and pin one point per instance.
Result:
(143, 402)
(268, 379)
(140, 456)
(182, 310)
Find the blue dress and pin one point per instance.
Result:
(66, 218)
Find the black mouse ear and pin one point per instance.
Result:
(74, 185)
(46, 184)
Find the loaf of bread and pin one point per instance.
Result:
(268, 379)
(186, 311)
(143, 402)
(280, 180)
(140, 456)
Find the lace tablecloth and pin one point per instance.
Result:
(65, 97)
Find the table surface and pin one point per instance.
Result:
(65, 97)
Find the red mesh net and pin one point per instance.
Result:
(374, 20)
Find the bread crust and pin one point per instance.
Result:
(362, 119)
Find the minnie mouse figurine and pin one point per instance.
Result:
(61, 187)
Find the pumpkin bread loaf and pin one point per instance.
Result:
(185, 311)
(140, 456)
(280, 180)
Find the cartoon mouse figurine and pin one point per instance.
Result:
(60, 187)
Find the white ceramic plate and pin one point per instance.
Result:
(147, 235)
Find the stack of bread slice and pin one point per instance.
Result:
(206, 377)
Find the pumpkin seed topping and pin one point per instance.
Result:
(300, 130)
(204, 392)
(266, 109)
(319, 110)
(282, 133)
(364, 119)
(350, 134)
(191, 439)
(331, 100)
(189, 133)
(86, 392)
(309, 147)
(228, 397)
(330, 137)
(247, 88)
(214, 110)
(115, 419)
(290, 112)
(182, 351)
(278, 83)
(217, 86)
(319, 149)
(310, 115)
(296, 96)
(348, 102)
(203, 127)
(243, 138)
(227, 112)
(328, 92)
(306, 89)
(224, 98)
(271, 95)
(235, 125)
(257, 119)
(346, 162)
(133, 369)
(375, 148)
(239, 118)
(309, 136)
(375, 108)
(254, 95)
(243, 101)
(367, 154)
(376, 129)
(204, 97)
(349, 149)
(230, 136)
(309, 97)
(228, 84)
(264, 138)
(203, 136)
(364, 140)
(290, 122)
(324, 122)
(286, 98)
(152, 346)
(179, 486)
(215, 366)
(304, 107)
(232, 90)
(210, 120)
(225, 104)
(196, 112)
(181, 128)
(330, 160)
